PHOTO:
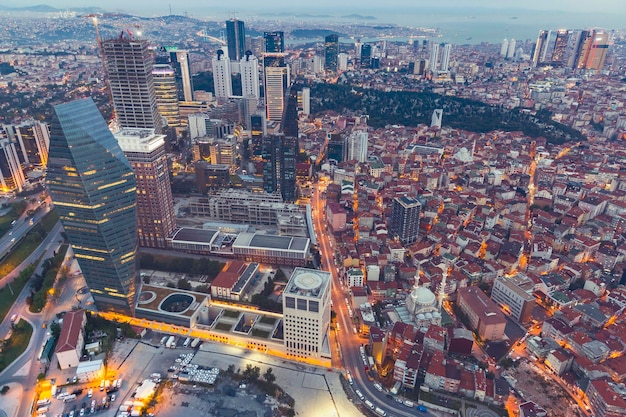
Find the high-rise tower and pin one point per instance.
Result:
(222, 80)
(366, 56)
(504, 48)
(33, 140)
(145, 151)
(128, 64)
(510, 52)
(306, 308)
(93, 188)
(331, 46)
(434, 58)
(181, 64)
(249, 67)
(279, 154)
(445, 56)
(405, 219)
(166, 93)
(357, 145)
(236, 38)
(11, 174)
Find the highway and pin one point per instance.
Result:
(349, 342)
(25, 369)
(19, 230)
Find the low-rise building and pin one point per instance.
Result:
(484, 315)
(71, 340)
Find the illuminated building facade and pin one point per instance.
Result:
(306, 309)
(93, 188)
(33, 140)
(166, 93)
(145, 151)
(11, 174)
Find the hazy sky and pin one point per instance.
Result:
(598, 6)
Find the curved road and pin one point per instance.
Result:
(349, 342)
(25, 369)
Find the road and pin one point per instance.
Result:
(18, 232)
(25, 369)
(349, 342)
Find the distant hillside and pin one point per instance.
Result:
(44, 8)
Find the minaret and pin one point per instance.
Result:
(411, 303)
(442, 292)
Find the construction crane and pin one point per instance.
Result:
(94, 18)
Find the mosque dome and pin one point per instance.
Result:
(423, 296)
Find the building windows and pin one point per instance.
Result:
(290, 302)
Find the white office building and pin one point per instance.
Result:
(306, 310)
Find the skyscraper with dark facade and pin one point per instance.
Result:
(405, 219)
(279, 153)
(274, 55)
(236, 39)
(128, 64)
(366, 56)
(337, 147)
(289, 124)
(331, 46)
(93, 188)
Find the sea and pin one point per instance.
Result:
(454, 25)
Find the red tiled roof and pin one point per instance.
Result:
(70, 331)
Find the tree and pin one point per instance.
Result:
(231, 369)
(55, 330)
(269, 376)
(252, 373)
(183, 284)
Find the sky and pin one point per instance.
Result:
(579, 6)
(457, 21)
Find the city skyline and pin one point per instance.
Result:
(460, 207)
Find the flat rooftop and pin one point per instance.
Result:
(187, 234)
(258, 240)
(307, 282)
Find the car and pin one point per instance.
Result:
(104, 400)
(112, 397)
(389, 396)
(421, 408)
(82, 412)
(90, 393)
(12, 240)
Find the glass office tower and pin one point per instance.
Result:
(93, 187)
